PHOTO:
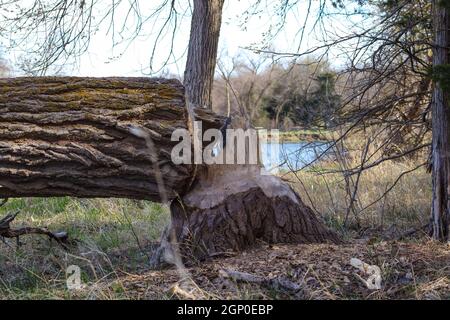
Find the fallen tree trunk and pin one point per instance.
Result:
(87, 137)
(67, 136)
(231, 208)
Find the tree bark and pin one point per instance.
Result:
(202, 53)
(87, 137)
(65, 136)
(441, 124)
(229, 207)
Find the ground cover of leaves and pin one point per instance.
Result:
(419, 270)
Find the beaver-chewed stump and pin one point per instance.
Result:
(231, 208)
(89, 137)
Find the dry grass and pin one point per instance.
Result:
(407, 205)
(115, 237)
(408, 270)
(112, 236)
(391, 197)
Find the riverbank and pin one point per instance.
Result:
(113, 238)
(305, 135)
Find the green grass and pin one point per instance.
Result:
(112, 235)
(115, 236)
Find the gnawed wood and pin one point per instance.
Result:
(88, 137)
(232, 208)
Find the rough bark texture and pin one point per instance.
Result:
(66, 136)
(83, 137)
(441, 127)
(230, 209)
(202, 53)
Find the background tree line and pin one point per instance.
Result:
(278, 95)
(393, 84)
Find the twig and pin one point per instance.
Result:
(3, 202)
(179, 292)
(138, 242)
(6, 231)
(273, 283)
(351, 206)
(412, 231)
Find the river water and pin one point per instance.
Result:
(291, 155)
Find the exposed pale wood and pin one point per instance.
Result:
(232, 208)
(77, 137)
(229, 208)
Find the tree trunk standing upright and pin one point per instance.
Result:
(202, 52)
(441, 119)
(230, 207)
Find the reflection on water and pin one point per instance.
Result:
(291, 155)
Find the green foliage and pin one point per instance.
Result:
(301, 107)
(444, 4)
(414, 16)
(441, 75)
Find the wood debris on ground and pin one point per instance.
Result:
(322, 271)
